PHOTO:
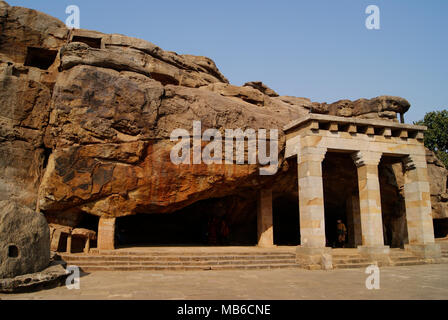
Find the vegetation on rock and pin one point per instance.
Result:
(436, 138)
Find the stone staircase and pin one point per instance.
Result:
(444, 247)
(404, 258)
(180, 261)
(349, 261)
(445, 253)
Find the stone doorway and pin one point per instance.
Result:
(286, 220)
(341, 198)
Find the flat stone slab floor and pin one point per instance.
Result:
(413, 282)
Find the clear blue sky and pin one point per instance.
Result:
(318, 49)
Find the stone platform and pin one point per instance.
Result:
(223, 258)
(184, 259)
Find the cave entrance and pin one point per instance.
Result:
(40, 58)
(199, 224)
(341, 198)
(286, 220)
(393, 208)
(91, 42)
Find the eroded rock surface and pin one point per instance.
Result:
(439, 186)
(86, 119)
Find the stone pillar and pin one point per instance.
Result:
(264, 219)
(312, 250)
(370, 205)
(418, 208)
(69, 243)
(56, 237)
(106, 233)
(354, 221)
(87, 245)
(311, 197)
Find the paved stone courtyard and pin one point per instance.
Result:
(413, 282)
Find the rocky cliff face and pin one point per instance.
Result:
(86, 119)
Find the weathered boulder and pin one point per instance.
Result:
(124, 54)
(51, 277)
(24, 240)
(246, 94)
(110, 134)
(260, 86)
(383, 107)
(438, 176)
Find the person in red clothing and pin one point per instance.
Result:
(341, 233)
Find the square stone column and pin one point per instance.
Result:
(106, 233)
(370, 206)
(418, 208)
(311, 197)
(354, 221)
(265, 228)
(312, 253)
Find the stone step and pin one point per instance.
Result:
(184, 263)
(186, 268)
(350, 261)
(404, 258)
(70, 258)
(408, 263)
(351, 265)
(402, 254)
(345, 256)
(187, 253)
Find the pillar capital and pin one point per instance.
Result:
(311, 154)
(362, 158)
(412, 161)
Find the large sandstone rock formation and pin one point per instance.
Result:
(24, 240)
(86, 119)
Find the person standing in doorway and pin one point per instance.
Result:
(341, 234)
